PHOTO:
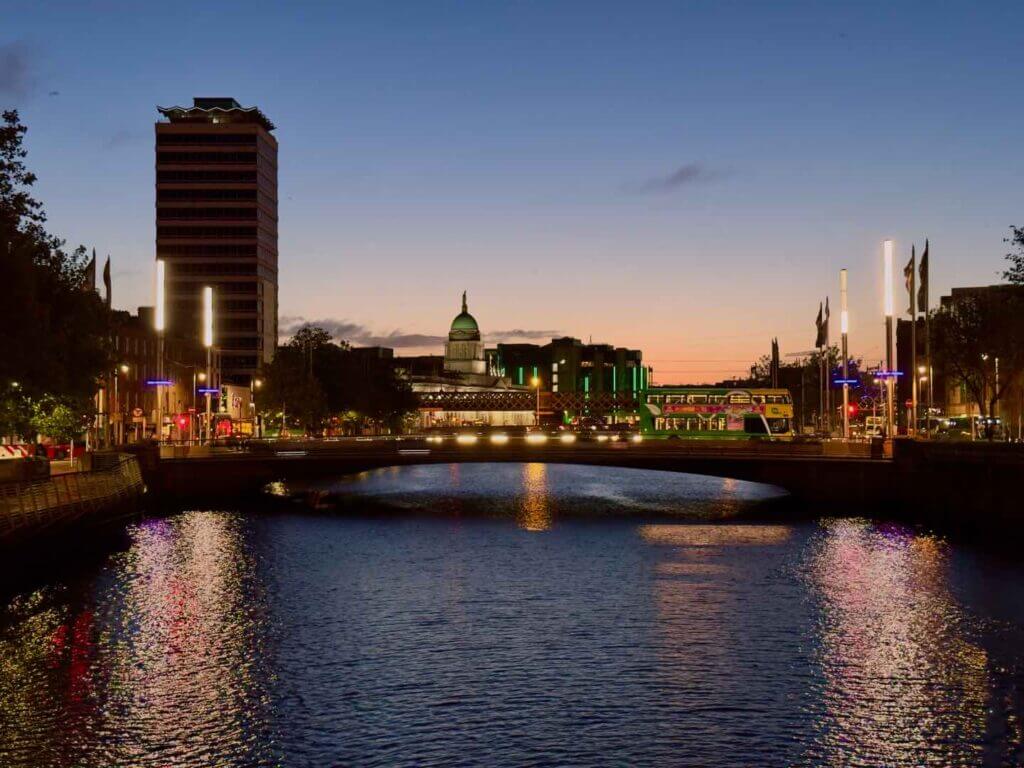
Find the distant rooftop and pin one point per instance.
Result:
(210, 108)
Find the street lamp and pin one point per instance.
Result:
(535, 383)
(889, 381)
(116, 405)
(208, 343)
(160, 324)
(844, 327)
(254, 384)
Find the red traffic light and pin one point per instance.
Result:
(852, 410)
(182, 422)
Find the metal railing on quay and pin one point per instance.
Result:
(64, 498)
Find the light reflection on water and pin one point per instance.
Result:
(527, 636)
(903, 682)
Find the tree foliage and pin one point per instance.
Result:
(1015, 273)
(970, 334)
(315, 380)
(57, 420)
(55, 338)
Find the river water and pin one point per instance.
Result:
(518, 615)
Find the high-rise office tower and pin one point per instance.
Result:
(216, 224)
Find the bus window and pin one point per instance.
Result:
(698, 398)
(753, 425)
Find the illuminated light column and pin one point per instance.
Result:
(160, 324)
(889, 378)
(208, 343)
(535, 382)
(844, 327)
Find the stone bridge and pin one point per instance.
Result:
(959, 485)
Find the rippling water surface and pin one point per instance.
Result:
(513, 615)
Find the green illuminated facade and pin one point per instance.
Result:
(567, 365)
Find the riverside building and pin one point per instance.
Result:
(216, 225)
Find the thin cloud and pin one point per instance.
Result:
(522, 333)
(16, 80)
(686, 175)
(121, 138)
(361, 335)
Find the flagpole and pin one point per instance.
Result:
(925, 279)
(828, 370)
(913, 340)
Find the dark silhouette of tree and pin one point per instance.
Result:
(55, 338)
(969, 334)
(317, 381)
(1015, 274)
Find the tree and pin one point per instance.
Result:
(55, 338)
(57, 420)
(317, 381)
(969, 335)
(1015, 274)
(289, 391)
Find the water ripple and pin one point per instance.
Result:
(528, 635)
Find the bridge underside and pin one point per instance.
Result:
(812, 480)
(962, 488)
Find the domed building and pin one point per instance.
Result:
(464, 387)
(464, 350)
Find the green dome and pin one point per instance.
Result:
(465, 322)
(464, 327)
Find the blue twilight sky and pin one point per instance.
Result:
(687, 177)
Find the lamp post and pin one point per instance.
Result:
(160, 324)
(844, 327)
(889, 379)
(208, 343)
(254, 384)
(535, 383)
(118, 430)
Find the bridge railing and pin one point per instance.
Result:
(64, 498)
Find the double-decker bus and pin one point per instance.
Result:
(703, 412)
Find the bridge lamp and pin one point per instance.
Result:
(499, 438)
(466, 439)
(568, 438)
(536, 438)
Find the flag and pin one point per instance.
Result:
(819, 341)
(922, 290)
(827, 316)
(908, 275)
(106, 280)
(775, 363)
(90, 274)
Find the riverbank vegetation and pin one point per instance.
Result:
(54, 343)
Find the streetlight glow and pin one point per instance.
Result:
(207, 316)
(160, 320)
(844, 315)
(888, 278)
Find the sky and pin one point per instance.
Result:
(685, 178)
